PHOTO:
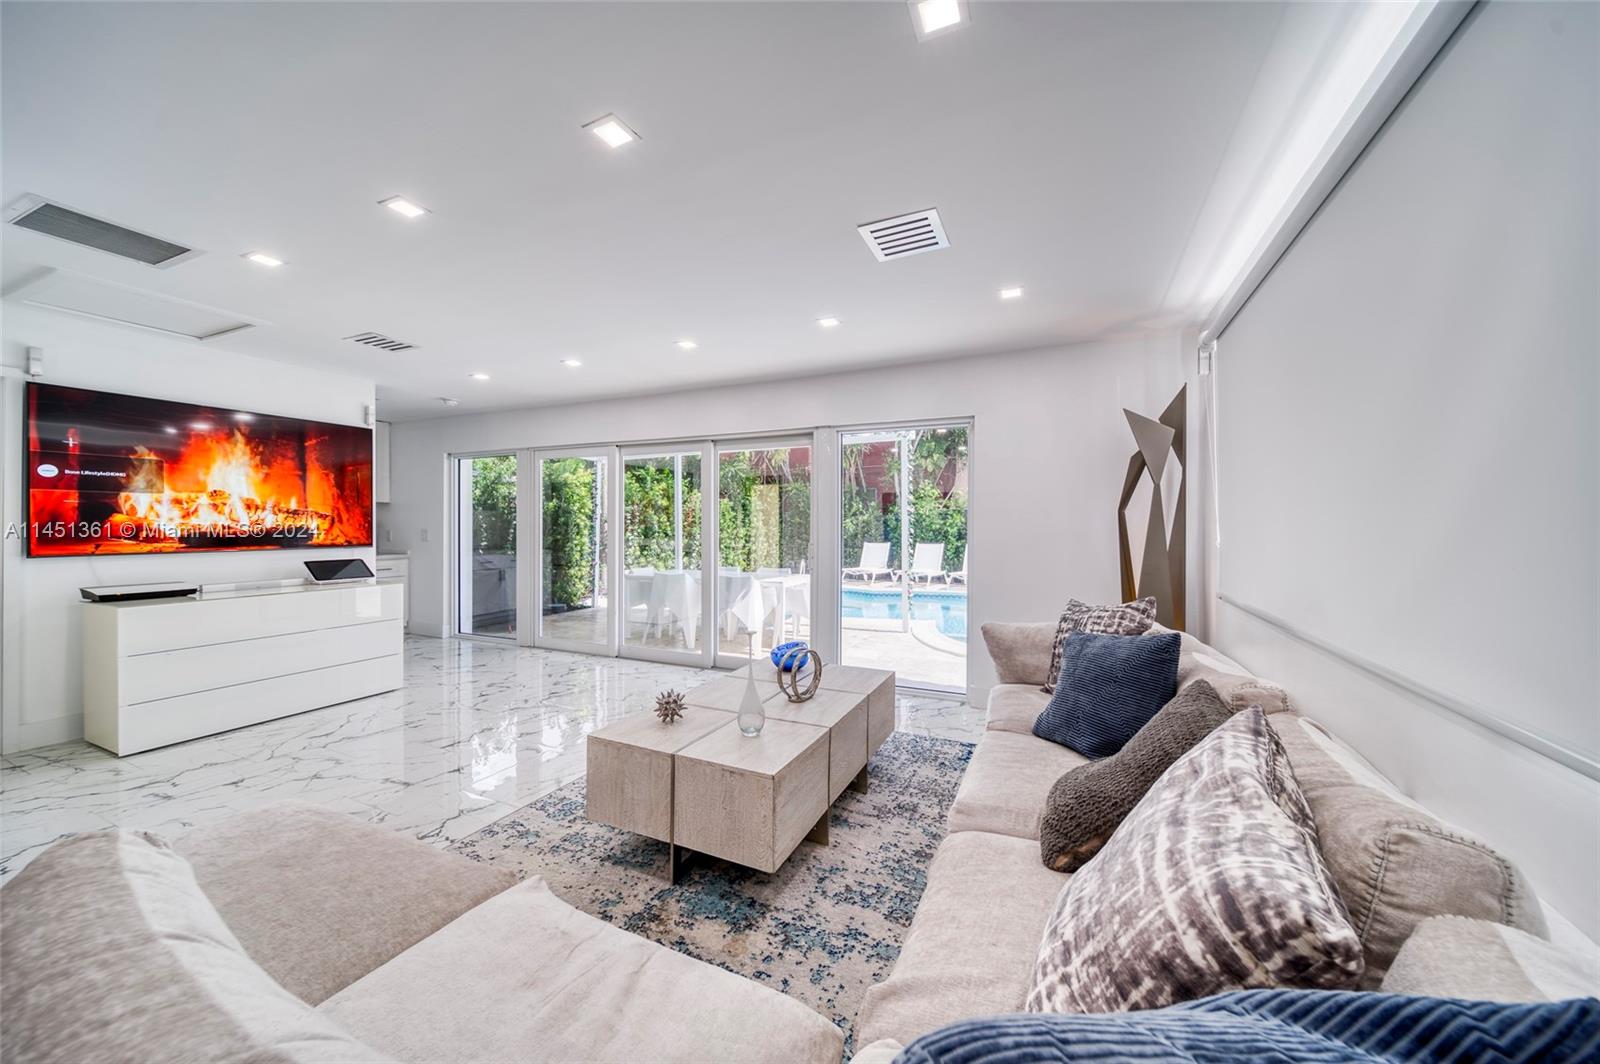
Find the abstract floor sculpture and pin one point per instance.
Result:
(822, 929)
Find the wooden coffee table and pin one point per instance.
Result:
(701, 786)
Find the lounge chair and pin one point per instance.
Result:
(928, 563)
(874, 563)
(961, 573)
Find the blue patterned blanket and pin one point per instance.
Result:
(1292, 1026)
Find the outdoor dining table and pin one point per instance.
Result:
(742, 597)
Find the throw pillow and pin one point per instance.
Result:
(1213, 883)
(1290, 1026)
(112, 953)
(1130, 618)
(1110, 687)
(1394, 863)
(1455, 956)
(1086, 804)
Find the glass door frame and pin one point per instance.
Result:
(808, 440)
(458, 539)
(607, 455)
(836, 436)
(703, 655)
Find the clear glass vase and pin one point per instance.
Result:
(752, 718)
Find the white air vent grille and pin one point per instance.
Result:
(380, 341)
(52, 219)
(907, 234)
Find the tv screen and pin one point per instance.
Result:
(118, 474)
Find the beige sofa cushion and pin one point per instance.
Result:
(320, 899)
(1013, 707)
(1457, 957)
(1007, 782)
(1236, 685)
(1394, 863)
(526, 977)
(972, 944)
(110, 952)
(1020, 652)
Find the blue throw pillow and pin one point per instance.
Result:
(1291, 1026)
(1110, 686)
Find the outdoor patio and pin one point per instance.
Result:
(923, 656)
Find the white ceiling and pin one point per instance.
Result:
(1069, 148)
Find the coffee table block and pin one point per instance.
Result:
(878, 686)
(844, 714)
(751, 800)
(726, 692)
(630, 769)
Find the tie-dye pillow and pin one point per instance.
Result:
(1214, 882)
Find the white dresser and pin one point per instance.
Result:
(160, 671)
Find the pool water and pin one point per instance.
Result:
(948, 609)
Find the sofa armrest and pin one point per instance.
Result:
(1020, 652)
(319, 899)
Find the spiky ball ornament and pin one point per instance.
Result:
(669, 706)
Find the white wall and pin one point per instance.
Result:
(40, 612)
(1409, 452)
(1050, 446)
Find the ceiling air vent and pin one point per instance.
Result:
(907, 234)
(380, 341)
(52, 219)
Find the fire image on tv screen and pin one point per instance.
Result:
(117, 474)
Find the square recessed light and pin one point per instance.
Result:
(931, 17)
(613, 130)
(1011, 293)
(403, 206)
(479, 376)
(687, 345)
(572, 363)
(828, 323)
(261, 258)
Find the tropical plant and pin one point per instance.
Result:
(569, 532)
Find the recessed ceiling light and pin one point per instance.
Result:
(240, 415)
(612, 130)
(828, 323)
(936, 16)
(171, 431)
(401, 205)
(479, 376)
(571, 363)
(200, 426)
(261, 258)
(687, 345)
(1011, 293)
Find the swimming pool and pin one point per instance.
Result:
(948, 609)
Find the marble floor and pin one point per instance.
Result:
(479, 730)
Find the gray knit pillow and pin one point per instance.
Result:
(1086, 804)
(1130, 618)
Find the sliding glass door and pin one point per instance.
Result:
(903, 495)
(765, 548)
(574, 551)
(666, 597)
(696, 553)
(486, 573)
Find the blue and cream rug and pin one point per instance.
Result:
(822, 929)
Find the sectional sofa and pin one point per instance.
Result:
(302, 936)
(974, 940)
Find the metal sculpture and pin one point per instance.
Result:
(1162, 569)
(793, 665)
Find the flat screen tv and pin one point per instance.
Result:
(119, 474)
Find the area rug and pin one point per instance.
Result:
(822, 929)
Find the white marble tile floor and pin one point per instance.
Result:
(479, 730)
